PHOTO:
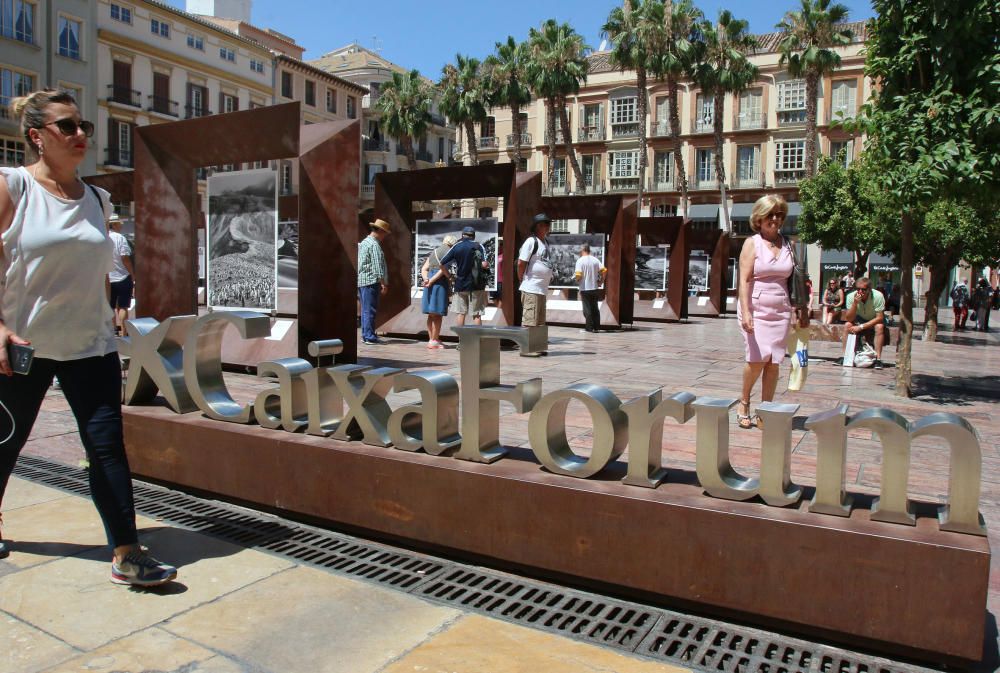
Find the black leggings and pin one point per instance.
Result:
(93, 388)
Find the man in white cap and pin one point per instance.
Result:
(121, 276)
(373, 278)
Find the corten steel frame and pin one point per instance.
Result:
(167, 210)
(672, 231)
(615, 217)
(120, 185)
(716, 243)
(394, 197)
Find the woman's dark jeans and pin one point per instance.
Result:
(93, 389)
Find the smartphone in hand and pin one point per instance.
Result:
(20, 357)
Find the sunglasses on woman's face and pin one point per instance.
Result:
(69, 127)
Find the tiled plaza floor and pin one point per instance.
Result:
(226, 618)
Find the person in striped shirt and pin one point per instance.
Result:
(373, 278)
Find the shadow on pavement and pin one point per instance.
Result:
(956, 391)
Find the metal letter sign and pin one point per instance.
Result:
(312, 400)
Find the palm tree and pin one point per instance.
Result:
(677, 60)
(806, 48)
(506, 84)
(556, 70)
(405, 104)
(637, 33)
(725, 68)
(463, 98)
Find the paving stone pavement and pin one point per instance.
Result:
(242, 610)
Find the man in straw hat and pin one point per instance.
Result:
(373, 278)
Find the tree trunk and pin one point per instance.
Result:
(470, 135)
(411, 157)
(942, 262)
(675, 137)
(812, 92)
(904, 366)
(642, 107)
(570, 153)
(515, 110)
(550, 123)
(861, 263)
(718, 106)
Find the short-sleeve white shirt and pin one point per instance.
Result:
(589, 268)
(121, 249)
(538, 273)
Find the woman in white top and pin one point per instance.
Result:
(55, 256)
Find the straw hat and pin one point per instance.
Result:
(383, 225)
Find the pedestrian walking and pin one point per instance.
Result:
(960, 303)
(56, 254)
(122, 276)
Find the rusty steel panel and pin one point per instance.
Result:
(394, 197)
(914, 589)
(328, 245)
(119, 185)
(523, 203)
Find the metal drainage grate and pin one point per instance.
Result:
(551, 608)
(663, 635)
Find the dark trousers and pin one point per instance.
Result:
(93, 389)
(591, 314)
(369, 295)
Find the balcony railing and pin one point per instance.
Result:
(788, 177)
(116, 156)
(368, 100)
(704, 125)
(590, 133)
(424, 155)
(556, 190)
(163, 106)
(597, 188)
(791, 117)
(625, 130)
(368, 191)
(668, 185)
(661, 129)
(488, 143)
(525, 139)
(456, 154)
(750, 120)
(624, 184)
(192, 111)
(748, 182)
(696, 183)
(437, 119)
(559, 136)
(376, 145)
(124, 95)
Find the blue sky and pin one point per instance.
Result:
(426, 35)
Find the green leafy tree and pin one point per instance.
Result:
(404, 104)
(725, 69)
(949, 232)
(810, 34)
(637, 35)
(677, 60)
(933, 123)
(505, 73)
(841, 210)
(464, 98)
(557, 68)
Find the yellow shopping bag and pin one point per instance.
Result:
(798, 346)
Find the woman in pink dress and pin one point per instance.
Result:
(764, 309)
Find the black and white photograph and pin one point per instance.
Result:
(564, 250)
(430, 234)
(288, 255)
(731, 274)
(242, 240)
(698, 272)
(651, 266)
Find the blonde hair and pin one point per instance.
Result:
(766, 205)
(30, 111)
(450, 240)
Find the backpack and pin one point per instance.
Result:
(479, 277)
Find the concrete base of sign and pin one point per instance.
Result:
(915, 591)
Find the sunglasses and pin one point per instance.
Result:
(69, 127)
(779, 216)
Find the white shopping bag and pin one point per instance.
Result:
(798, 346)
(849, 348)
